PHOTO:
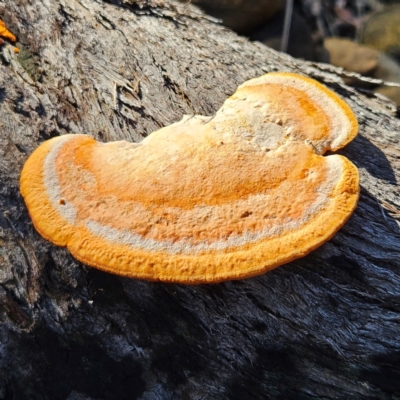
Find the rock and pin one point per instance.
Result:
(382, 32)
(351, 56)
(388, 70)
(365, 61)
(392, 93)
(243, 16)
(300, 44)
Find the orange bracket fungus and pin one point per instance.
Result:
(206, 199)
(5, 33)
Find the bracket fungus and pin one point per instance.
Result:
(206, 199)
(5, 33)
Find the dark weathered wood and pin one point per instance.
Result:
(325, 326)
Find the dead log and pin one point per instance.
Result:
(325, 326)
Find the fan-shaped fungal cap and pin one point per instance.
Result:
(205, 199)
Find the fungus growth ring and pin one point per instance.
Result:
(205, 199)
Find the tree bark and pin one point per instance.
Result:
(325, 326)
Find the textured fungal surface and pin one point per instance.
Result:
(208, 198)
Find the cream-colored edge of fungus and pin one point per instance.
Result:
(336, 109)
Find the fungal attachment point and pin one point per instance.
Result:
(205, 199)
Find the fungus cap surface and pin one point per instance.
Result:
(205, 199)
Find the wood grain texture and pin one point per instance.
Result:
(325, 326)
